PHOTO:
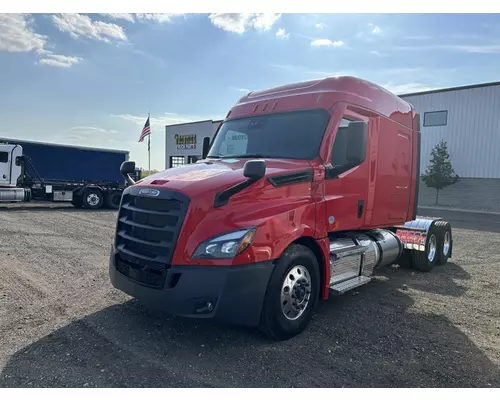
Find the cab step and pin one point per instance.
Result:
(340, 251)
(342, 287)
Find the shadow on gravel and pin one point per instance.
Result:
(44, 208)
(443, 280)
(368, 338)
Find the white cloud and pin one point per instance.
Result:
(240, 23)
(265, 21)
(78, 25)
(152, 17)
(243, 90)
(98, 136)
(17, 34)
(473, 48)
(91, 130)
(483, 49)
(418, 37)
(327, 43)
(320, 25)
(157, 123)
(407, 88)
(58, 60)
(376, 30)
(160, 18)
(119, 16)
(282, 34)
(318, 74)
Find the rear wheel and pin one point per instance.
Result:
(77, 201)
(292, 294)
(92, 199)
(444, 241)
(113, 200)
(426, 260)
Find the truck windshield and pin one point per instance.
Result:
(293, 135)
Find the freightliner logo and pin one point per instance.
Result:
(149, 192)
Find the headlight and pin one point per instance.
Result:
(228, 245)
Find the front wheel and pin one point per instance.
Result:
(292, 294)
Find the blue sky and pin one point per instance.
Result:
(90, 79)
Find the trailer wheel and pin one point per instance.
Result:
(92, 199)
(77, 201)
(113, 200)
(444, 241)
(291, 295)
(425, 261)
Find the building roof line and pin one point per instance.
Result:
(194, 122)
(452, 89)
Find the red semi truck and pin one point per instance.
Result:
(304, 190)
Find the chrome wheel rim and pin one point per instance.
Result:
(93, 199)
(446, 243)
(432, 248)
(295, 292)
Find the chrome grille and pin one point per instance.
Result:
(147, 231)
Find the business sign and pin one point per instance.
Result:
(185, 142)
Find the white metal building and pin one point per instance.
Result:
(184, 142)
(466, 117)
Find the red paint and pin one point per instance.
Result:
(385, 180)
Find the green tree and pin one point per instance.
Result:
(440, 173)
(145, 173)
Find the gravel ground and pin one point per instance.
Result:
(62, 324)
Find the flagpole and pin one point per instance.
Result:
(149, 145)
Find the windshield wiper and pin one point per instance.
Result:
(249, 155)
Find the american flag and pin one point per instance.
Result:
(145, 131)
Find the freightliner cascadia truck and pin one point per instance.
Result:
(86, 177)
(302, 193)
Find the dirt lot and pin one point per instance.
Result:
(62, 323)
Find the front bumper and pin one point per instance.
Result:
(234, 294)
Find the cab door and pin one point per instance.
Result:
(5, 165)
(346, 179)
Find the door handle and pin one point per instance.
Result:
(361, 204)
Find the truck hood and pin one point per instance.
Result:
(211, 176)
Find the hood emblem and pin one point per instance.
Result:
(149, 192)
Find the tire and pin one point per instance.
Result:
(425, 261)
(92, 199)
(405, 260)
(77, 201)
(445, 241)
(300, 263)
(113, 200)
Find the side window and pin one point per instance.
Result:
(176, 161)
(349, 147)
(4, 157)
(339, 150)
(436, 118)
